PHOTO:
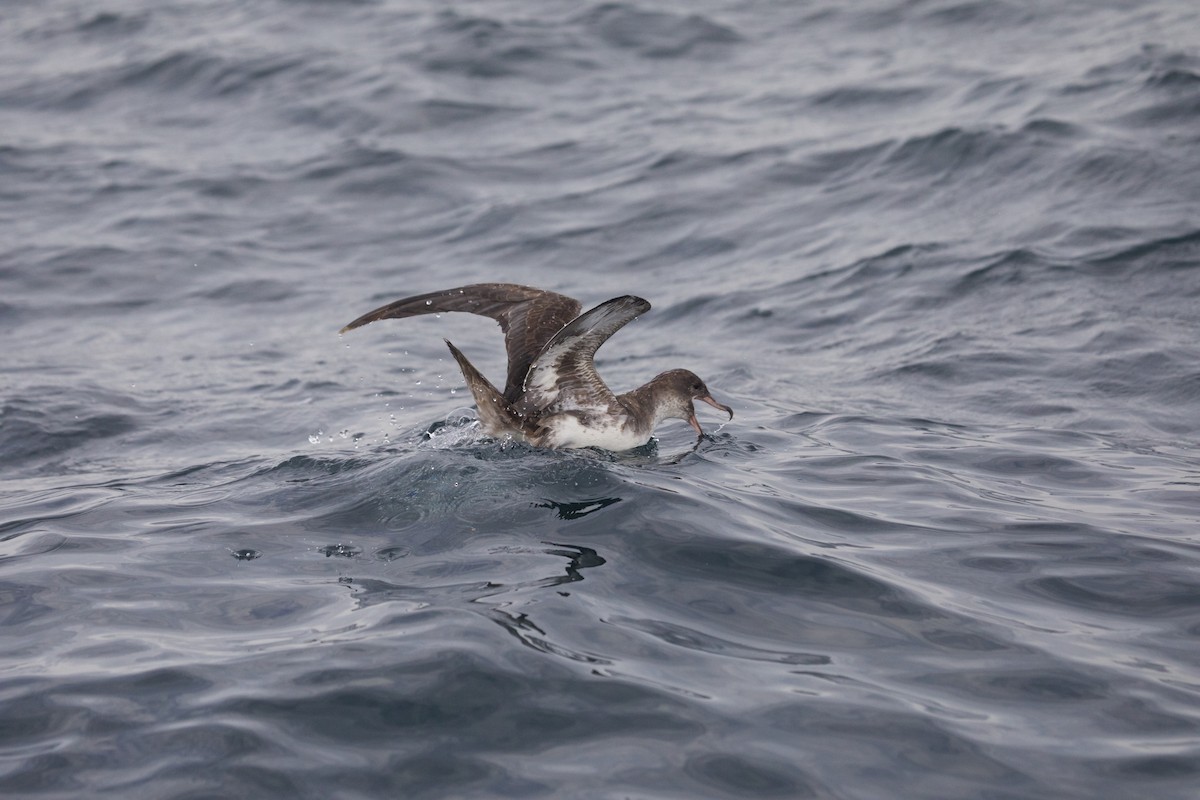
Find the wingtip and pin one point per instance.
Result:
(640, 303)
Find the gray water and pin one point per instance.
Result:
(942, 258)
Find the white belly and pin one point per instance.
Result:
(567, 431)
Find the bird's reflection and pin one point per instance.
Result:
(371, 591)
(578, 558)
(578, 510)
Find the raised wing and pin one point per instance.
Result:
(529, 318)
(563, 376)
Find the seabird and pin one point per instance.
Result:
(553, 396)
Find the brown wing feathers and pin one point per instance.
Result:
(564, 372)
(528, 317)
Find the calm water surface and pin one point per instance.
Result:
(943, 259)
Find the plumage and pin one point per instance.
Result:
(528, 317)
(553, 396)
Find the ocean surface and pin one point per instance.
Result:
(942, 258)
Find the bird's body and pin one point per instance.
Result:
(553, 396)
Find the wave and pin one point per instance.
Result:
(657, 34)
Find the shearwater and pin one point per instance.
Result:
(553, 396)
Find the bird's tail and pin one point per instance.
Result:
(495, 413)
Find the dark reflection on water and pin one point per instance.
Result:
(579, 509)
